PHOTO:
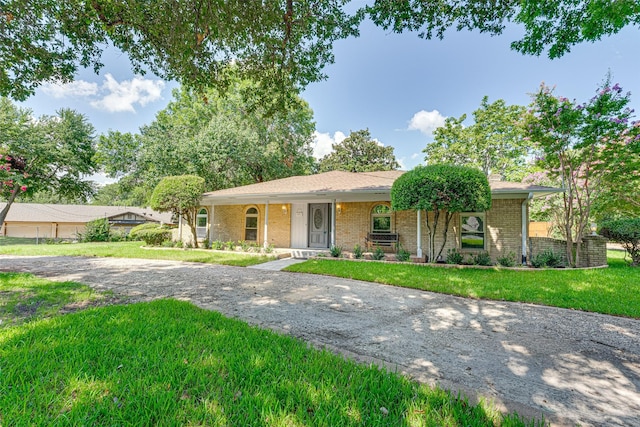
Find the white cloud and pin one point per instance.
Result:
(76, 88)
(402, 164)
(322, 143)
(426, 121)
(415, 155)
(112, 96)
(123, 95)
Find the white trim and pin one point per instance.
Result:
(525, 221)
(419, 233)
(333, 223)
(266, 224)
(246, 215)
(211, 223)
(483, 217)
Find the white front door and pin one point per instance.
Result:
(299, 212)
(318, 226)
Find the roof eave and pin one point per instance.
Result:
(524, 193)
(352, 195)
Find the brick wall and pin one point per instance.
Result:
(504, 228)
(229, 220)
(593, 254)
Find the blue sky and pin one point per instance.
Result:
(400, 87)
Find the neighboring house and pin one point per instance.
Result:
(347, 209)
(66, 221)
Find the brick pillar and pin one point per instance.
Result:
(594, 251)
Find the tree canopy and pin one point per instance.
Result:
(359, 153)
(494, 143)
(228, 140)
(442, 190)
(553, 25)
(180, 195)
(590, 148)
(282, 44)
(53, 154)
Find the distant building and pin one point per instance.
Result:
(66, 221)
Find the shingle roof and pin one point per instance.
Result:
(36, 212)
(328, 182)
(339, 184)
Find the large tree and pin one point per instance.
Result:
(53, 154)
(442, 190)
(283, 44)
(494, 143)
(180, 195)
(359, 153)
(228, 140)
(556, 25)
(584, 146)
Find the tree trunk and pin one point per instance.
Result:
(447, 220)
(12, 198)
(190, 217)
(432, 234)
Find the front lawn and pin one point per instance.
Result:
(170, 363)
(614, 290)
(133, 250)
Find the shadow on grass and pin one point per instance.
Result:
(149, 363)
(24, 298)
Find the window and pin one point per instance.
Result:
(251, 224)
(201, 223)
(381, 219)
(472, 231)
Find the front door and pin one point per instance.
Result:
(318, 226)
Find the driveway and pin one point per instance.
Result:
(572, 367)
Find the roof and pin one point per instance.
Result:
(343, 186)
(36, 212)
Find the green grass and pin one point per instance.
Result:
(614, 290)
(171, 363)
(132, 250)
(24, 298)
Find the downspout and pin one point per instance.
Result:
(525, 220)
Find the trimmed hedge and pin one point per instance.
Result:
(133, 234)
(152, 234)
(443, 187)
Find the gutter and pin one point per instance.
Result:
(525, 203)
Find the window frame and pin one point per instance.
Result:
(199, 216)
(482, 232)
(374, 215)
(245, 228)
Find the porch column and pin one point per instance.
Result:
(525, 221)
(266, 224)
(333, 223)
(211, 222)
(419, 236)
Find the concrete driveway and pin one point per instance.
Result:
(569, 366)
